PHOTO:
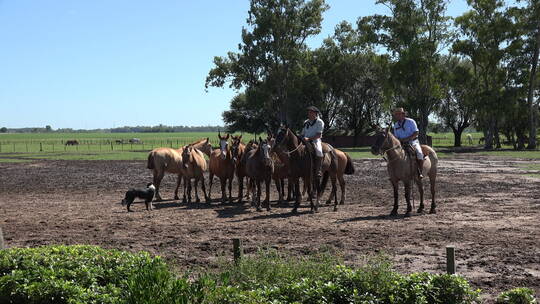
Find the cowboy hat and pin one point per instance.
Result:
(313, 108)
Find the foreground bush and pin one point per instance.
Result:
(517, 296)
(88, 274)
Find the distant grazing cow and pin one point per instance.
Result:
(72, 142)
(135, 140)
(470, 139)
(119, 141)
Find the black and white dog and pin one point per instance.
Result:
(147, 194)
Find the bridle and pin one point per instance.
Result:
(288, 152)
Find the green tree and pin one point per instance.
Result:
(271, 49)
(48, 128)
(413, 35)
(3, 130)
(457, 106)
(488, 40)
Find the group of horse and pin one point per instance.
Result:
(279, 157)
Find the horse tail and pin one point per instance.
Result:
(324, 182)
(349, 168)
(150, 164)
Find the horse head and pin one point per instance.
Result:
(235, 147)
(223, 145)
(264, 148)
(186, 156)
(383, 141)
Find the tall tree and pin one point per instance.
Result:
(271, 47)
(457, 106)
(486, 33)
(414, 34)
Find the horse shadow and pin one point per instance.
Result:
(266, 215)
(381, 217)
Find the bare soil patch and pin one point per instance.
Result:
(487, 208)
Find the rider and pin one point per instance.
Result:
(312, 132)
(406, 130)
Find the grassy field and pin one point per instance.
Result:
(23, 147)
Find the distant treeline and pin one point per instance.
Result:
(126, 129)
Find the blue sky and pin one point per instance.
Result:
(110, 63)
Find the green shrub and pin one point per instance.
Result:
(67, 274)
(519, 295)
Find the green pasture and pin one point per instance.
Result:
(23, 147)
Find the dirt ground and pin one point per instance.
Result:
(487, 208)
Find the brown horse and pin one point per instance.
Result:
(161, 160)
(259, 168)
(222, 166)
(403, 167)
(301, 165)
(239, 154)
(193, 166)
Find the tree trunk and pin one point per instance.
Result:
(530, 96)
(457, 136)
(489, 134)
(422, 126)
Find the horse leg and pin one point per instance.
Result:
(158, 176)
(334, 192)
(420, 185)
(210, 180)
(408, 197)
(289, 189)
(196, 182)
(188, 189)
(204, 189)
(178, 181)
(296, 185)
(185, 186)
(341, 181)
(333, 180)
(267, 199)
(395, 185)
(249, 188)
(432, 182)
(253, 189)
(240, 189)
(279, 188)
(230, 189)
(223, 182)
(258, 184)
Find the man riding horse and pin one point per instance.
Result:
(406, 130)
(312, 132)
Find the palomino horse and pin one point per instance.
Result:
(344, 165)
(301, 165)
(402, 166)
(222, 166)
(193, 166)
(259, 167)
(161, 160)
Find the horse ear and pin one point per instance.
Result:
(260, 139)
(227, 136)
(207, 139)
(240, 137)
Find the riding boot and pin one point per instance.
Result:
(420, 167)
(317, 163)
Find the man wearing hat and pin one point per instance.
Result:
(406, 130)
(312, 132)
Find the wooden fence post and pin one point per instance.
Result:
(2, 246)
(237, 250)
(450, 260)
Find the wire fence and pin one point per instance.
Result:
(93, 145)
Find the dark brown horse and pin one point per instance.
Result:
(259, 168)
(301, 165)
(222, 165)
(403, 167)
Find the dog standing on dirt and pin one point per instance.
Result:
(147, 194)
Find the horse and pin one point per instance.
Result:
(239, 154)
(259, 167)
(344, 165)
(301, 165)
(402, 166)
(72, 142)
(161, 160)
(193, 166)
(222, 165)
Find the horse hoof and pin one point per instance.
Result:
(198, 200)
(328, 202)
(342, 203)
(268, 209)
(408, 214)
(393, 213)
(259, 209)
(432, 211)
(335, 209)
(294, 211)
(176, 197)
(184, 200)
(420, 210)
